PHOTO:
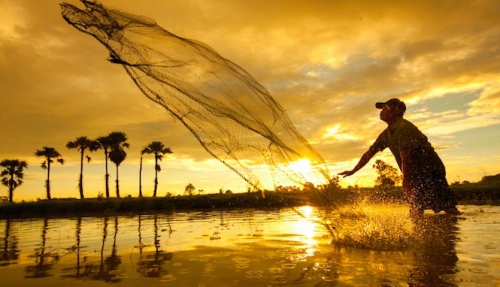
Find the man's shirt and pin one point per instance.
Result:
(402, 136)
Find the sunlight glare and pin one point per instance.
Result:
(306, 225)
(306, 210)
(301, 166)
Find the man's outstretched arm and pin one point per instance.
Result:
(365, 158)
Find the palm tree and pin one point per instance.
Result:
(158, 149)
(82, 144)
(49, 153)
(117, 154)
(105, 144)
(12, 175)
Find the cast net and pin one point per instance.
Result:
(232, 116)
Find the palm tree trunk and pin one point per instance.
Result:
(140, 178)
(156, 175)
(11, 188)
(80, 183)
(117, 184)
(107, 174)
(47, 184)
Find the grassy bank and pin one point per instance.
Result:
(99, 207)
(468, 194)
(477, 194)
(465, 194)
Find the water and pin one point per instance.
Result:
(372, 246)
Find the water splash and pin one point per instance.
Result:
(375, 227)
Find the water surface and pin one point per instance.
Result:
(250, 248)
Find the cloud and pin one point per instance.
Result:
(326, 62)
(488, 103)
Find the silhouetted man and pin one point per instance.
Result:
(424, 174)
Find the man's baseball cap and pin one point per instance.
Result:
(393, 103)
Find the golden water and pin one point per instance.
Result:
(370, 245)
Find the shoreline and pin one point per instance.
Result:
(273, 200)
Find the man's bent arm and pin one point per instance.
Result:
(407, 169)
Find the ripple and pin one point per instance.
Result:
(288, 265)
(183, 271)
(278, 279)
(275, 270)
(328, 278)
(254, 274)
(323, 265)
(240, 259)
(477, 271)
(168, 278)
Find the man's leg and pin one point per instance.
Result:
(452, 210)
(416, 212)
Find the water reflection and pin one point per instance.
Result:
(78, 271)
(435, 260)
(9, 252)
(306, 225)
(325, 273)
(113, 261)
(106, 271)
(240, 248)
(151, 264)
(44, 260)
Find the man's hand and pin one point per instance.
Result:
(346, 173)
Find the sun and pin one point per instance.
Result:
(302, 166)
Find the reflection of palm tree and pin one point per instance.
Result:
(141, 246)
(9, 252)
(113, 261)
(151, 265)
(78, 245)
(44, 260)
(87, 269)
(104, 274)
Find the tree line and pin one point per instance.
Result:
(114, 146)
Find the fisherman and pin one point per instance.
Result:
(424, 174)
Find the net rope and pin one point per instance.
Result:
(232, 116)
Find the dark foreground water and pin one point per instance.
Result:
(372, 246)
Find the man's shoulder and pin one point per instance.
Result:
(406, 123)
(409, 129)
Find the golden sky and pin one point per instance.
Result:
(326, 62)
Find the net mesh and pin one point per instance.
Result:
(232, 116)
